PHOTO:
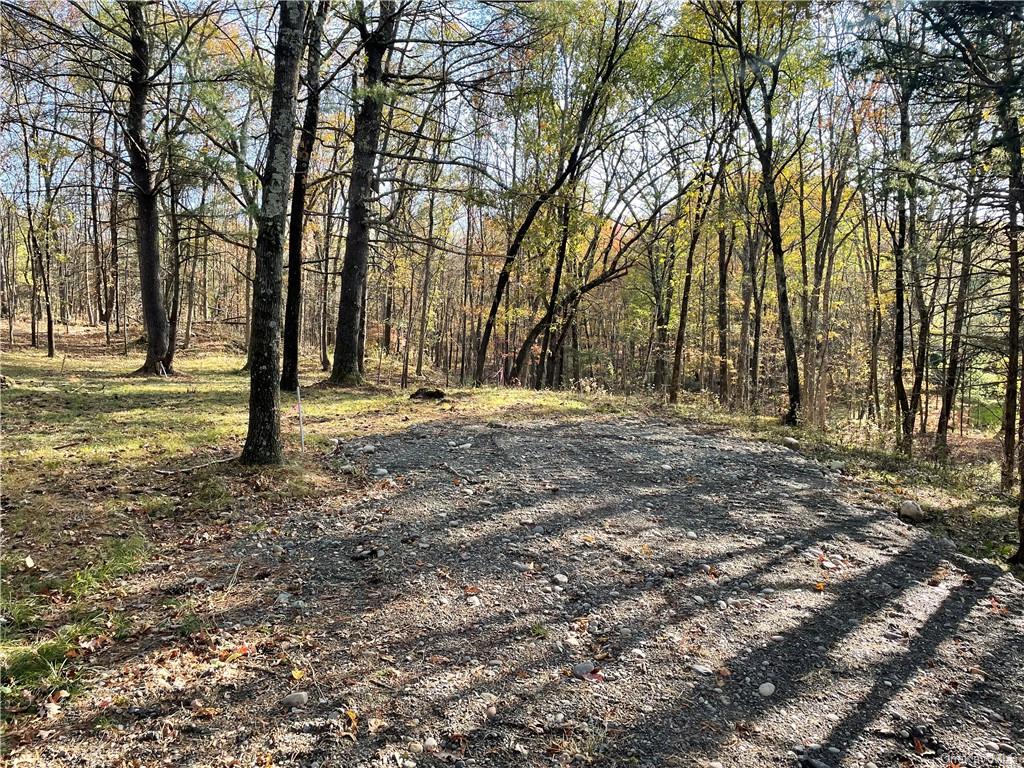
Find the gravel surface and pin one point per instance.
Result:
(622, 592)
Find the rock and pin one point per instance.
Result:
(415, 747)
(367, 449)
(691, 534)
(380, 472)
(791, 442)
(430, 743)
(295, 699)
(766, 689)
(473, 601)
(702, 669)
(912, 511)
(560, 578)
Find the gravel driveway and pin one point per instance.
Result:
(623, 592)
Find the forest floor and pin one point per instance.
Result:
(502, 578)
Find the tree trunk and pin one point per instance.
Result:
(563, 242)
(263, 440)
(293, 303)
(1015, 202)
(952, 372)
(723, 317)
(347, 360)
(147, 216)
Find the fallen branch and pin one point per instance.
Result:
(197, 466)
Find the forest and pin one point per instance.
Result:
(802, 213)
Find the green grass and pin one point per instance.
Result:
(116, 559)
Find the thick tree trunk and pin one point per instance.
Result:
(263, 440)
(347, 367)
(307, 137)
(147, 216)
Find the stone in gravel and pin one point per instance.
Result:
(560, 578)
(430, 743)
(415, 747)
(473, 601)
(295, 699)
(702, 669)
(380, 472)
(584, 670)
(766, 689)
(367, 449)
(521, 567)
(691, 534)
(912, 511)
(791, 442)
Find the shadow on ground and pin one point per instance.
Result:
(723, 601)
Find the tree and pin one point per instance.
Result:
(263, 440)
(144, 188)
(759, 75)
(377, 43)
(307, 136)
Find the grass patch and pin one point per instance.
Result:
(118, 558)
